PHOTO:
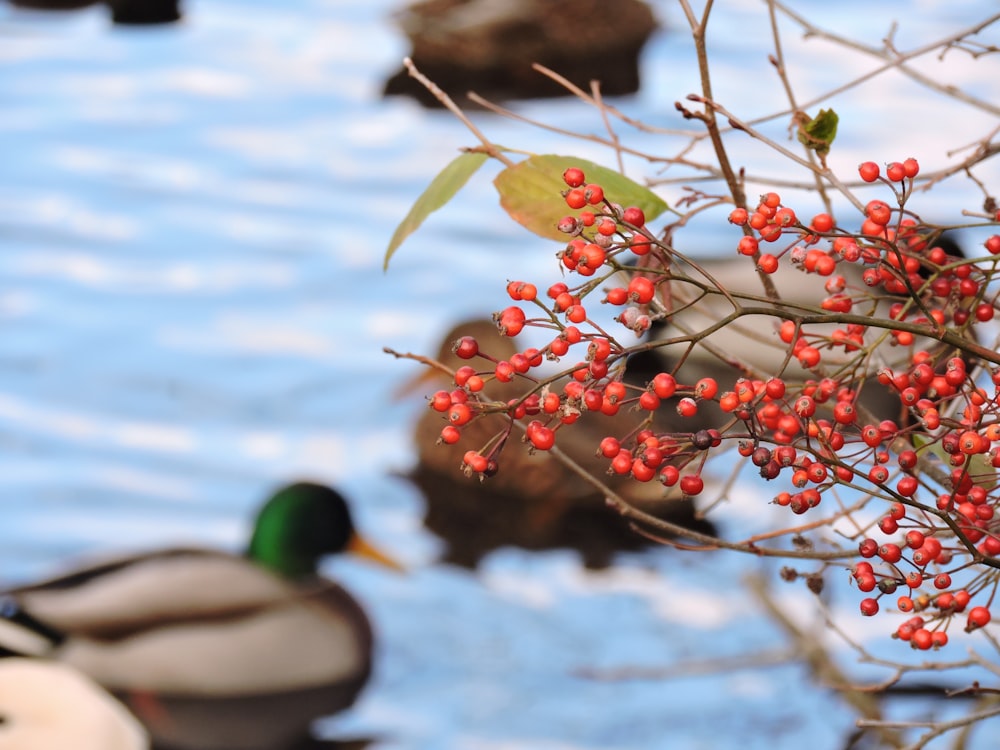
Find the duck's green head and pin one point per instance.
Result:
(301, 523)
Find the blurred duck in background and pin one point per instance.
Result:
(210, 649)
(751, 344)
(498, 40)
(49, 706)
(534, 501)
(126, 12)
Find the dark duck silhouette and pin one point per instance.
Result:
(533, 501)
(126, 12)
(489, 46)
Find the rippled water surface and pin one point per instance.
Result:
(192, 223)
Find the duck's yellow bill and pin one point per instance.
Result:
(361, 547)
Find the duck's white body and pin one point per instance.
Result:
(50, 706)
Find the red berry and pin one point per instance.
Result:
(542, 437)
(888, 525)
(610, 447)
(641, 290)
(775, 388)
(894, 171)
(574, 177)
(738, 216)
(970, 442)
(664, 385)
(594, 194)
(617, 296)
(556, 289)
(692, 484)
(466, 348)
(771, 200)
(747, 245)
(641, 471)
(869, 171)
(475, 461)
(459, 414)
(767, 263)
(808, 357)
(869, 607)
(978, 617)
(511, 321)
(639, 244)
(441, 401)
(922, 639)
(649, 401)
(911, 167)
(706, 388)
(504, 371)
(821, 223)
(785, 217)
(592, 257)
(891, 553)
(576, 198)
(634, 215)
(878, 212)
(687, 407)
(868, 548)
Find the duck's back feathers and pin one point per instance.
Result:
(199, 622)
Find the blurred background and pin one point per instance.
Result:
(193, 218)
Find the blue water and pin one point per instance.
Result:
(192, 223)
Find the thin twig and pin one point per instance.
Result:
(447, 101)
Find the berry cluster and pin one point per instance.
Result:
(913, 299)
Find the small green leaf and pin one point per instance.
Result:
(442, 189)
(817, 133)
(982, 471)
(531, 192)
(978, 464)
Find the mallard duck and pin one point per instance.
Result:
(489, 45)
(48, 706)
(212, 649)
(533, 501)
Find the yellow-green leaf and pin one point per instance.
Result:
(531, 192)
(817, 133)
(441, 190)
